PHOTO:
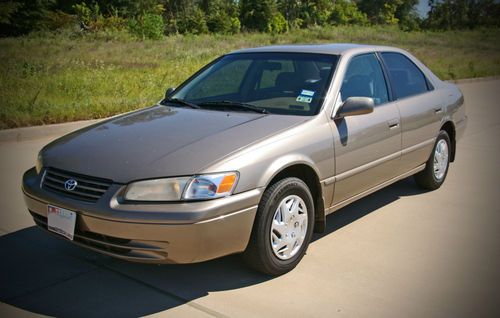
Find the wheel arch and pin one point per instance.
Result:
(305, 171)
(449, 127)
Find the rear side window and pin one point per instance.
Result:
(406, 78)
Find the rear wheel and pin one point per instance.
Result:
(436, 168)
(282, 229)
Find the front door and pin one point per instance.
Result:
(367, 147)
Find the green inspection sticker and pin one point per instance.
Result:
(304, 99)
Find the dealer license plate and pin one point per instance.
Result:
(61, 221)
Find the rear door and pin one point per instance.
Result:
(420, 106)
(367, 147)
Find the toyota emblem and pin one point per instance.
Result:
(70, 184)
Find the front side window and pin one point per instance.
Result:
(364, 78)
(280, 83)
(406, 78)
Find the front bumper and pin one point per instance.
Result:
(185, 232)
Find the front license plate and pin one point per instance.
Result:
(61, 221)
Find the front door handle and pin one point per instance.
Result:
(438, 110)
(393, 123)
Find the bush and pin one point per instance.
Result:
(346, 12)
(59, 20)
(410, 23)
(220, 22)
(114, 23)
(147, 26)
(153, 26)
(235, 25)
(87, 15)
(192, 21)
(277, 24)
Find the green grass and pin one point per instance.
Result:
(57, 77)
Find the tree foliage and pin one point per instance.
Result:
(388, 11)
(257, 15)
(221, 16)
(155, 18)
(147, 26)
(462, 14)
(23, 16)
(347, 12)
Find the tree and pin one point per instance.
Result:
(192, 20)
(7, 11)
(460, 14)
(346, 12)
(257, 15)
(387, 11)
(316, 12)
(305, 13)
(23, 16)
(292, 12)
(221, 16)
(408, 18)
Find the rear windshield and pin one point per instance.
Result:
(280, 83)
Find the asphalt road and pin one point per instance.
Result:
(400, 252)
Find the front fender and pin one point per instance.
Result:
(284, 162)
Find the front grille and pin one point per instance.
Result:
(87, 189)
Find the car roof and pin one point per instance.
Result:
(334, 49)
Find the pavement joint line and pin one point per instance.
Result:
(184, 301)
(35, 290)
(97, 266)
(187, 302)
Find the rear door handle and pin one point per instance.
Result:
(393, 123)
(438, 110)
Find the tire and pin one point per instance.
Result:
(279, 238)
(436, 168)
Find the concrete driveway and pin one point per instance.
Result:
(400, 252)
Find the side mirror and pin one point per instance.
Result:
(354, 106)
(169, 92)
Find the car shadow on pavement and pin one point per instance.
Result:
(50, 276)
(368, 204)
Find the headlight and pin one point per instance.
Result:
(39, 163)
(202, 187)
(157, 190)
(211, 186)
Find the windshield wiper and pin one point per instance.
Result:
(231, 104)
(180, 102)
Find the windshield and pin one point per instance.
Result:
(278, 83)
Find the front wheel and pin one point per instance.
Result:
(436, 168)
(282, 229)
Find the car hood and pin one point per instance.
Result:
(160, 141)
